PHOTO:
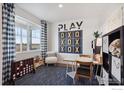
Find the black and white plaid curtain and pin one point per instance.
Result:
(43, 38)
(8, 40)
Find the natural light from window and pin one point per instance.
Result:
(27, 36)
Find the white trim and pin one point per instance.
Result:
(23, 52)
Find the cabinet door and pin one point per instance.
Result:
(116, 68)
(105, 44)
(105, 77)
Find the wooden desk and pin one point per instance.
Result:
(83, 60)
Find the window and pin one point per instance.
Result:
(27, 35)
(24, 40)
(18, 39)
(35, 39)
(21, 39)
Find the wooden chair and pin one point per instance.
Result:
(85, 69)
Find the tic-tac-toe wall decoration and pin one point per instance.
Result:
(70, 42)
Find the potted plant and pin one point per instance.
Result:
(97, 34)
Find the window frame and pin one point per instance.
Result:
(21, 26)
(31, 40)
(20, 40)
(28, 28)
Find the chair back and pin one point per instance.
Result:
(85, 69)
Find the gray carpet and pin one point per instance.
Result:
(51, 75)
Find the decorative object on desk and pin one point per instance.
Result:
(114, 47)
(99, 42)
(97, 34)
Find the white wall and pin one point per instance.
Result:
(0, 44)
(113, 21)
(22, 13)
(88, 28)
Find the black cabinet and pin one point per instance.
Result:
(21, 68)
(113, 59)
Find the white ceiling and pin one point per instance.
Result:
(51, 12)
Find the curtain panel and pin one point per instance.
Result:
(43, 39)
(8, 40)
